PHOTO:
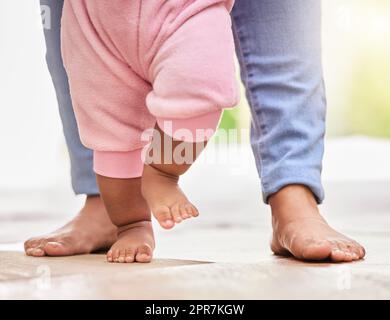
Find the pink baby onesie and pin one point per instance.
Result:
(132, 63)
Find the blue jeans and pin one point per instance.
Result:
(83, 176)
(279, 48)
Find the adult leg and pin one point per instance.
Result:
(91, 229)
(279, 47)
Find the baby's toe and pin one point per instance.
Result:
(115, 255)
(144, 254)
(185, 214)
(193, 211)
(110, 256)
(122, 255)
(129, 255)
(164, 217)
(175, 210)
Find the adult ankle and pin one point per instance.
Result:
(292, 202)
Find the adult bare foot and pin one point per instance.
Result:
(301, 231)
(89, 231)
(135, 244)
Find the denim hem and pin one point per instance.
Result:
(315, 185)
(85, 190)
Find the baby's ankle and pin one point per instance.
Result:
(134, 224)
(153, 172)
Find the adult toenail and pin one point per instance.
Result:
(54, 244)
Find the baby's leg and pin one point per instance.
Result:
(193, 77)
(169, 159)
(130, 213)
(108, 96)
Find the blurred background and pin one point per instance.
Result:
(33, 158)
(356, 55)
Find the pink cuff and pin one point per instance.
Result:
(120, 165)
(195, 129)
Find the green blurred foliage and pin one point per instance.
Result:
(364, 104)
(231, 119)
(369, 101)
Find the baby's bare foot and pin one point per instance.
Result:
(135, 244)
(301, 231)
(89, 231)
(167, 201)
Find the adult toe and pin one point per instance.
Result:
(317, 250)
(57, 248)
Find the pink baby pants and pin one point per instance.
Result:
(132, 63)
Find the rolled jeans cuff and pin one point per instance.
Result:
(285, 177)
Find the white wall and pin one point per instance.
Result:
(32, 152)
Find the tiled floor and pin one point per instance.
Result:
(223, 254)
